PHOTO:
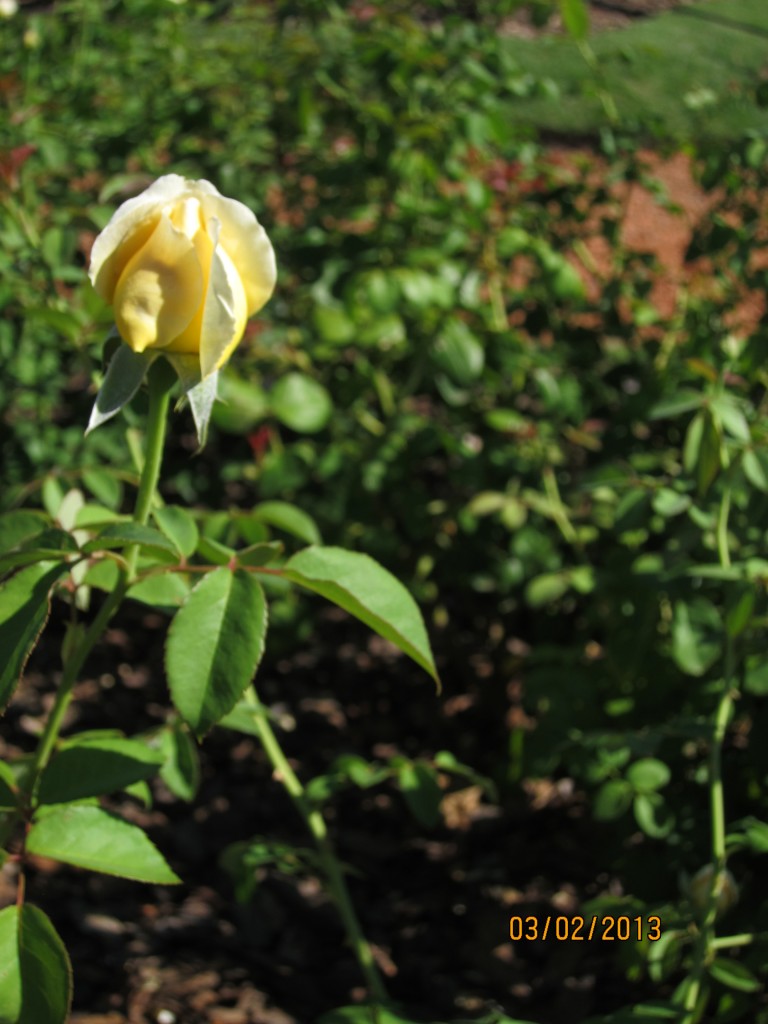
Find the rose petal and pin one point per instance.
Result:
(130, 226)
(225, 314)
(245, 242)
(160, 289)
(187, 216)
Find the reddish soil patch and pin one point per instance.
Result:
(666, 232)
(659, 220)
(651, 227)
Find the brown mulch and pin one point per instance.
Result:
(434, 902)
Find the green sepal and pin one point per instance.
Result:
(122, 380)
(201, 392)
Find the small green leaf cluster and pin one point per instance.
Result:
(418, 781)
(362, 1015)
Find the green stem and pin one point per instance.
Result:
(717, 798)
(69, 678)
(706, 942)
(731, 941)
(160, 380)
(722, 530)
(559, 512)
(316, 825)
(606, 98)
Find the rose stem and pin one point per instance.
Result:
(316, 824)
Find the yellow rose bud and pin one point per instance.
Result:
(183, 268)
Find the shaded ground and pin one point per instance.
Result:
(435, 903)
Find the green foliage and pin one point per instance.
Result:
(181, 764)
(364, 589)
(448, 380)
(418, 781)
(301, 403)
(214, 646)
(362, 1015)
(244, 860)
(36, 976)
(24, 608)
(94, 765)
(89, 837)
(682, 74)
(215, 643)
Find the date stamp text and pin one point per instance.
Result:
(608, 928)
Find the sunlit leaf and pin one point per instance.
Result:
(35, 972)
(366, 590)
(91, 838)
(301, 403)
(214, 646)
